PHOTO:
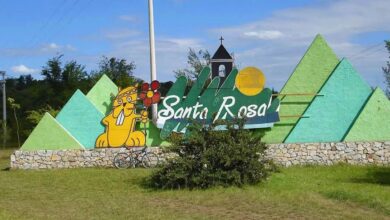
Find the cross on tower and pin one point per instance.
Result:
(221, 39)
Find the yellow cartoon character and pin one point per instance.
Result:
(120, 123)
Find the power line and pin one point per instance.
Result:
(80, 11)
(62, 10)
(57, 23)
(366, 50)
(45, 24)
(369, 54)
(71, 18)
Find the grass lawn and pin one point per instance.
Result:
(337, 192)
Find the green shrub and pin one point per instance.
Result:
(207, 157)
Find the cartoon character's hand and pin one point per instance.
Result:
(144, 116)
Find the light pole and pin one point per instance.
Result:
(4, 110)
(153, 75)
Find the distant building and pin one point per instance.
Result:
(221, 63)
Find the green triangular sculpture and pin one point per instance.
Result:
(373, 122)
(330, 115)
(308, 77)
(82, 119)
(50, 135)
(101, 92)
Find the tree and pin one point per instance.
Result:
(34, 116)
(197, 61)
(386, 71)
(53, 70)
(73, 73)
(68, 75)
(61, 81)
(24, 81)
(15, 106)
(118, 70)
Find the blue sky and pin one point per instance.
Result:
(271, 35)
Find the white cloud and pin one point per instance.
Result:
(45, 49)
(171, 54)
(264, 35)
(274, 44)
(129, 18)
(339, 19)
(291, 31)
(119, 34)
(22, 69)
(53, 47)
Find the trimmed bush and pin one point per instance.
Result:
(210, 157)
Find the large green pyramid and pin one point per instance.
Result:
(82, 119)
(373, 122)
(101, 92)
(308, 77)
(330, 115)
(50, 135)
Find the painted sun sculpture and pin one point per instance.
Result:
(250, 81)
(120, 123)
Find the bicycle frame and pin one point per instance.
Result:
(137, 154)
(136, 157)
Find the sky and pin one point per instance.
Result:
(271, 35)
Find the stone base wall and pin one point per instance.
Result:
(282, 154)
(49, 159)
(361, 153)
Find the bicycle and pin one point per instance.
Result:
(135, 158)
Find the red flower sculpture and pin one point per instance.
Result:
(149, 94)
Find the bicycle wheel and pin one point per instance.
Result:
(150, 160)
(123, 160)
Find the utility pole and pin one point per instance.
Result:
(153, 75)
(4, 110)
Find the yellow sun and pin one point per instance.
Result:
(250, 81)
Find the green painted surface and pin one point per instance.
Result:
(152, 135)
(373, 122)
(195, 92)
(82, 119)
(100, 94)
(178, 88)
(308, 77)
(50, 135)
(214, 101)
(330, 115)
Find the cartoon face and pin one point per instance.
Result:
(124, 104)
